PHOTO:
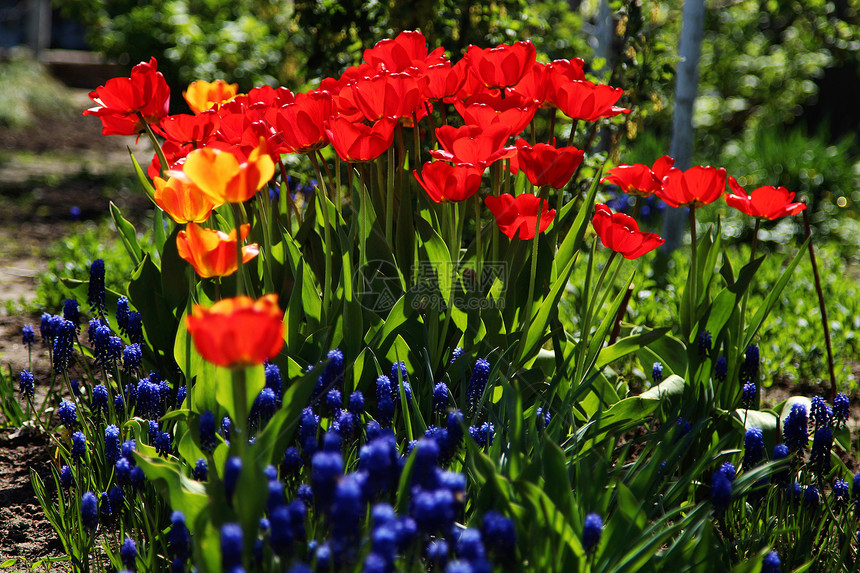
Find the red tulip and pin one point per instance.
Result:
(213, 253)
(585, 100)
(694, 187)
(766, 202)
(301, 124)
(120, 100)
(184, 129)
(502, 66)
(224, 177)
(533, 85)
(444, 80)
(545, 164)
(638, 179)
(182, 200)
(473, 144)
(175, 155)
(407, 50)
(515, 111)
(238, 332)
(519, 215)
(563, 71)
(387, 95)
(472, 84)
(359, 142)
(445, 182)
(620, 233)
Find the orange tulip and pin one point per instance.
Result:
(202, 95)
(213, 253)
(238, 332)
(219, 174)
(182, 200)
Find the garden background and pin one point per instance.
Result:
(775, 103)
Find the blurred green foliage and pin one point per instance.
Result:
(71, 256)
(29, 92)
(791, 340)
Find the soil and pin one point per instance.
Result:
(51, 174)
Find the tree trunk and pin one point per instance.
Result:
(686, 85)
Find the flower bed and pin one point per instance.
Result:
(325, 362)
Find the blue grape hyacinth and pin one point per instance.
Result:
(591, 532)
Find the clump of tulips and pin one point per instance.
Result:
(269, 318)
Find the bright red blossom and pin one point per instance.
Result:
(638, 179)
(694, 187)
(545, 164)
(503, 65)
(444, 80)
(473, 144)
(387, 95)
(238, 332)
(184, 129)
(301, 123)
(620, 233)
(515, 111)
(766, 202)
(585, 100)
(120, 100)
(406, 51)
(533, 85)
(355, 141)
(519, 215)
(445, 182)
(213, 253)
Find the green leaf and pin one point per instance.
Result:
(278, 433)
(127, 234)
(667, 350)
(639, 338)
(573, 240)
(144, 292)
(184, 352)
(670, 391)
(184, 493)
(772, 296)
(548, 308)
(174, 273)
(142, 178)
(556, 479)
(438, 257)
(8, 563)
(255, 380)
(767, 421)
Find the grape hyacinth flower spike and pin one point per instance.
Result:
(96, 297)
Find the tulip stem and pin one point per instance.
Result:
(267, 240)
(388, 193)
(240, 404)
(526, 319)
(285, 188)
(552, 126)
(240, 276)
(822, 307)
(496, 169)
(694, 298)
(479, 247)
(154, 141)
(585, 332)
(747, 292)
(323, 202)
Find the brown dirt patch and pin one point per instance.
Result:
(25, 532)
